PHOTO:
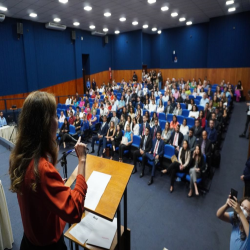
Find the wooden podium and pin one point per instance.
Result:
(109, 203)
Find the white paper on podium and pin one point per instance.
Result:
(95, 230)
(97, 183)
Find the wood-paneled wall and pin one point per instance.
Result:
(216, 75)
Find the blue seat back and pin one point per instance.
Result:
(183, 106)
(169, 117)
(60, 124)
(72, 129)
(168, 151)
(180, 118)
(190, 122)
(59, 105)
(197, 102)
(191, 97)
(136, 141)
(200, 107)
(162, 124)
(185, 112)
(198, 97)
(162, 116)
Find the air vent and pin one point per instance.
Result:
(55, 26)
(98, 33)
(2, 17)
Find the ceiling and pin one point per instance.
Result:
(197, 11)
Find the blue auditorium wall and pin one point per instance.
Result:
(147, 49)
(229, 41)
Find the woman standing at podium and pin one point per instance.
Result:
(45, 203)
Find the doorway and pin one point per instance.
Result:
(85, 70)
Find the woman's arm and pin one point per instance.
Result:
(188, 159)
(131, 135)
(222, 214)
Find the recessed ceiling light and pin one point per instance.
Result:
(151, 1)
(159, 31)
(87, 8)
(92, 27)
(182, 19)
(154, 29)
(3, 8)
(164, 8)
(135, 23)
(76, 23)
(117, 32)
(33, 15)
(188, 23)
(105, 29)
(229, 2)
(63, 1)
(174, 14)
(145, 26)
(57, 20)
(231, 9)
(107, 14)
(122, 19)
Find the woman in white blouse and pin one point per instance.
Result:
(184, 129)
(135, 127)
(194, 112)
(160, 108)
(146, 106)
(191, 104)
(152, 120)
(157, 92)
(177, 109)
(62, 117)
(152, 107)
(128, 122)
(195, 92)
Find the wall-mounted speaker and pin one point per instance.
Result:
(73, 35)
(19, 28)
(106, 39)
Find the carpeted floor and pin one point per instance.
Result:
(160, 219)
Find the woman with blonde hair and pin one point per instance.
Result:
(46, 204)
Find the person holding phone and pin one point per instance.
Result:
(239, 219)
(46, 204)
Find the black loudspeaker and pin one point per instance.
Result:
(19, 29)
(106, 39)
(73, 35)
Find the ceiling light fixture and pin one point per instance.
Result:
(229, 2)
(174, 14)
(76, 23)
(117, 32)
(57, 20)
(145, 26)
(33, 15)
(105, 29)
(188, 23)
(182, 19)
(3, 8)
(63, 1)
(87, 8)
(154, 29)
(135, 23)
(231, 9)
(92, 27)
(151, 1)
(164, 8)
(122, 19)
(159, 31)
(107, 14)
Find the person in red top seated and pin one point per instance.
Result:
(202, 119)
(46, 204)
(72, 118)
(89, 115)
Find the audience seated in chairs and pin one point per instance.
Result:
(176, 139)
(144, 125)
(108, 137)
(174, 123)
(71, 118)
(154, 155)
(197, 129)
(155, 129)
(64, 134)
(126, 142)
(197, 166)
(145, 147)
(99, 137)
(135, 127)
(115, 140)
(184, 129)
(179, 166)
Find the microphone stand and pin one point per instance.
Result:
(64, 163)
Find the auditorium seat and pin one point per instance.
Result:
(168, 151)
(185, 112)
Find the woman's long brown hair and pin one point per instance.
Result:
(34, 138)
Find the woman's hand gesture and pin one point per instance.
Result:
(80, 149)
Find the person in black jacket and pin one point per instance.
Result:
(64, 134)
(134, 77)
(176, 138)
(144, 125)
(156, 128)
(197, 129)
(145, 147)
(93, 84)
(246, 178)
(197, 166)
(116, 140)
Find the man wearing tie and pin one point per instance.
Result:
(155, 129)
(99, 137)
(154, 155)
(206, 147)
(145, 146)
(176, 139)
(144, 126)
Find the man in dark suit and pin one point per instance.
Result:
(128, 98)
(101, 133)
(155, 155)
(205, 144)
(133, 98)
(144, 125)
(191, 139)
(145, 146)
(93, 84)
(169, 108)
(197, 129)
(176, 139)
(155, 129)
